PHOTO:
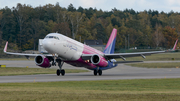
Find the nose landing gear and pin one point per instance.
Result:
(60, 70)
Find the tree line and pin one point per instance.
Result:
(24, 25)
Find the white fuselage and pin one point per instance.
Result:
(66, 48)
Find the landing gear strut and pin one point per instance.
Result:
(54, 61)
(60, 70)
(98, 72)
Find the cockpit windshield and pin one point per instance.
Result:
(50, 37)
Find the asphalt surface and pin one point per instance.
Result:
(120, 72)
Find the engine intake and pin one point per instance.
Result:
(42, 61)
(99, 61)
(95, 59)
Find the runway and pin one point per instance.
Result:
(120, 72)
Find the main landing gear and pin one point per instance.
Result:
(60, 70)
(98, 72)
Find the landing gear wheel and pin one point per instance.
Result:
(95, 72)
(58, 72)
(62, 72)
(100, 72)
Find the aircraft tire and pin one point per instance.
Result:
(62, 72)
(95, 72)
(58, 72)
(100, 72)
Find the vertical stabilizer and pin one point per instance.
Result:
(175, 45)
(111, 43)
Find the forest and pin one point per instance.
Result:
(22, 26)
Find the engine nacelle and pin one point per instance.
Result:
(99, 61)
(42, 61)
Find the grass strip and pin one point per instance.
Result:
(156, 65)
(114, 90)
(9, 71)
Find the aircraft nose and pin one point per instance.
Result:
(46, 44)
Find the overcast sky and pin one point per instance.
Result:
(105, 5)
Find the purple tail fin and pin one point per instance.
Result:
(111, 43)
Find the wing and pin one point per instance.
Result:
(125, 55)
(22, 54)
(123, 62)
(143, 54)
(122, 55)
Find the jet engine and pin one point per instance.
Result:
(99, 61)
(42, 61)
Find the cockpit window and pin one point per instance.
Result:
(50, 37)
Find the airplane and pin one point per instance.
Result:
(64, 49)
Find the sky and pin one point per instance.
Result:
(105, 5)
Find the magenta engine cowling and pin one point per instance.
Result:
(99, 61)
(42, 61)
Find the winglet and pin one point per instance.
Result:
(175, 45)
(5, 48)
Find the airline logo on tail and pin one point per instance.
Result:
(111, 43)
